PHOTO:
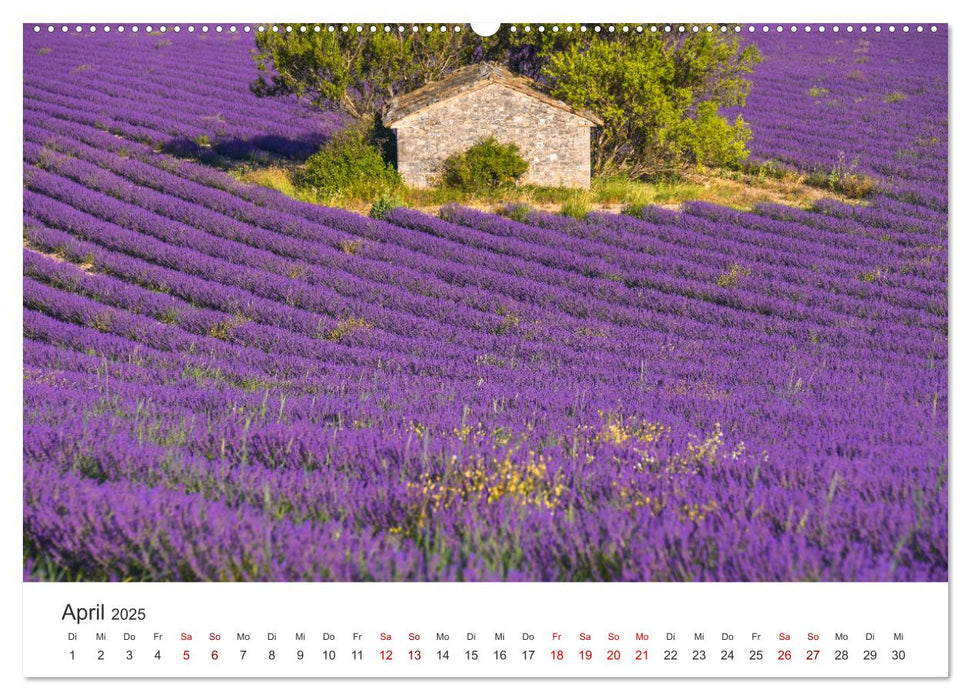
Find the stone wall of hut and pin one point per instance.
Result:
(555, 142)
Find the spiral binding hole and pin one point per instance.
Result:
(610, 29)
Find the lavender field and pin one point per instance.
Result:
(222, 383)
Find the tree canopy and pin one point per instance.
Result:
(659, 95)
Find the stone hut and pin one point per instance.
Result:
(482, 100)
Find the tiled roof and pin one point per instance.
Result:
(471, 78)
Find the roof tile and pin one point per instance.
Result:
(467, 79)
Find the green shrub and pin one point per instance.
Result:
(844, 179)
(350, 165)
(384, 206)
(485, 166)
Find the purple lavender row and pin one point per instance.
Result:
(667, 539)
(202, 128)
(111, 70)
(49, 210)
(810, 99)
(687, 260)
(164, 206)
(236, 326)
(860, 273)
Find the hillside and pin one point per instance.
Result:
(222, 383)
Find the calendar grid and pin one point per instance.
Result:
(486, 630)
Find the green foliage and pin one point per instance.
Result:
(384, 206)
(679, 84)
(577, 206)
(356, 71)
(710, 139)
(485, 166)
(351, 165)
(844, 179)
(635, 211)
(516, 212)
(658, 95)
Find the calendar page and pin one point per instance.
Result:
(511, 350)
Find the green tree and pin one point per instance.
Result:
(659, 99)
(355, 71)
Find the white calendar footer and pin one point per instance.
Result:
(485, 629)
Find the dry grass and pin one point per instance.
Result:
(734, 275)
(745, 190)
(345, 327)
(738, 190)
(274, 177)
